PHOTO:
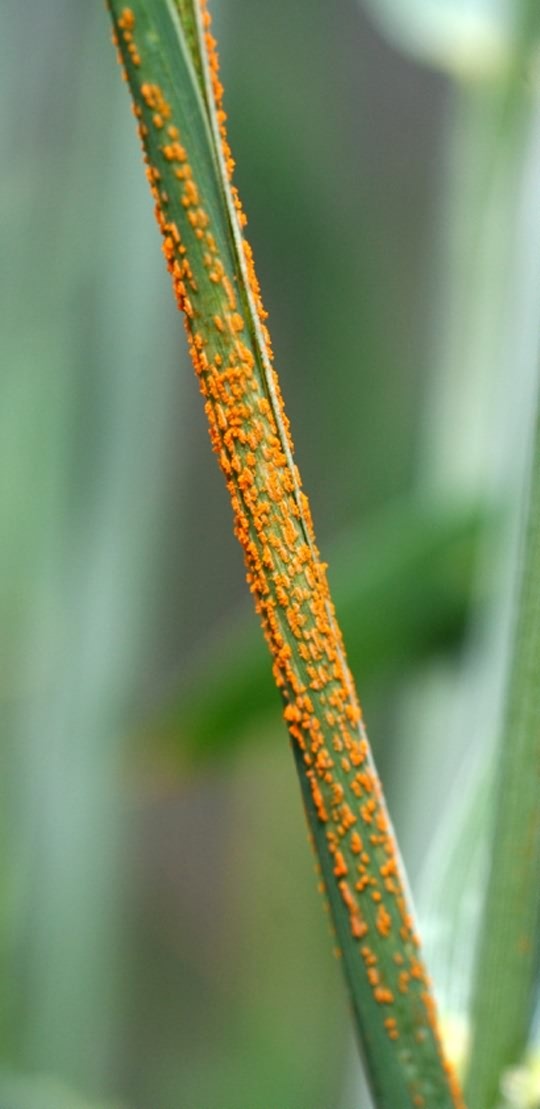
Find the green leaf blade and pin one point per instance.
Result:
(181, 125)
(506, 986)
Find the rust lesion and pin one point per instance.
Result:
(250, 435)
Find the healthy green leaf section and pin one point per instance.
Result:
(173, 78)
(413, 560)
(505, 980)
(506, 984)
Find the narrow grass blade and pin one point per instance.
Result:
(450, 898)
(506, 974)
(181, 121)
(506, 981)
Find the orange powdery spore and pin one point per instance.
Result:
(358, 925)
(391, 1028)
(250, 436)
(126, 25)
(384, 921)
(403, 981)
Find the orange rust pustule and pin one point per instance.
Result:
(250, 435)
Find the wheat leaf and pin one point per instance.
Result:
(176, 91)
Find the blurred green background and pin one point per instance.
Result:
(162, 944)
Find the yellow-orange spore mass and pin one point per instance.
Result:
(231, 352)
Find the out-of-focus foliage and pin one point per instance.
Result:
(43, 1093)
(469, 38)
